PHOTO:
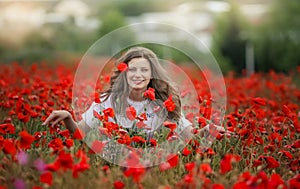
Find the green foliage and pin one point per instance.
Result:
(110, 23)
(229, 39)
(136, 7)
(53, 41)
(277, 40)
(170, 53)
(224, 63)
(71, 38)
(177, 55)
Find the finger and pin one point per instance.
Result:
(220, 129)
(56, 121)
(49, 118)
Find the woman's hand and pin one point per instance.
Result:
(214, 129)
(56, 116)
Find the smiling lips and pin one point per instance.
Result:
(137, 82)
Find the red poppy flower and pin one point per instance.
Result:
(65, 133)
(131, 113)
(142, 117)
(225, 164)
(296, 144)
(217, 186)
(135, 173)
(124, 139)
(286, 153)
(97, 115)
(109, 112)
(190, 116)
(173, 160)
(64, 160)
(26, 139)
(34, 114)
(164, 166)
(186, 151)
(190, 166)
(259, 101)
(172, 136)
(56, 144)
(150, 93)
(106, 78)
(169, 104)
(205, 168)
(97, 147)
(276, 181)
(271, 162)
(138, 139)
(188, 178)
(141, 124)
(239, 185)
(210, 151)
(46, 178)
(69, 143)
(153, 142)
(295, 182)
(80, 167)
(202, 121)
(119, 184)
(9, 147)
(172, 126)
(78, 134)
(97, 98)
(7, 128)
(23, 118)
(133, 159)
(122, 67)
(34, 187)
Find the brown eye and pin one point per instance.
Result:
(132, 69)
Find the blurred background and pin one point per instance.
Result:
(251, 35)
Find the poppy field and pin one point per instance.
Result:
(262, 151)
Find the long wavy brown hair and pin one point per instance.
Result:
(119, 89)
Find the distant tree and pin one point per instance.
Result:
(53, 41)
(229, 39)
(277, 40)
(136, 7)
(111, 22)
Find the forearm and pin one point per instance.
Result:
(70, 124)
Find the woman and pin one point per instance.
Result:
(141, 74)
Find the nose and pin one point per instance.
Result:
(138, 73)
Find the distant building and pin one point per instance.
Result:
(75, 9)
(194, 17)
(17, 20)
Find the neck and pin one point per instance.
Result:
(136, 95)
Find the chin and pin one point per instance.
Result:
(139, 88)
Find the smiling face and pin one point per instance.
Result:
(139, 74)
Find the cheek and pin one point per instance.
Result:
(128, 75)
(149, 75)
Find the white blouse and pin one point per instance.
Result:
(154, 120)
